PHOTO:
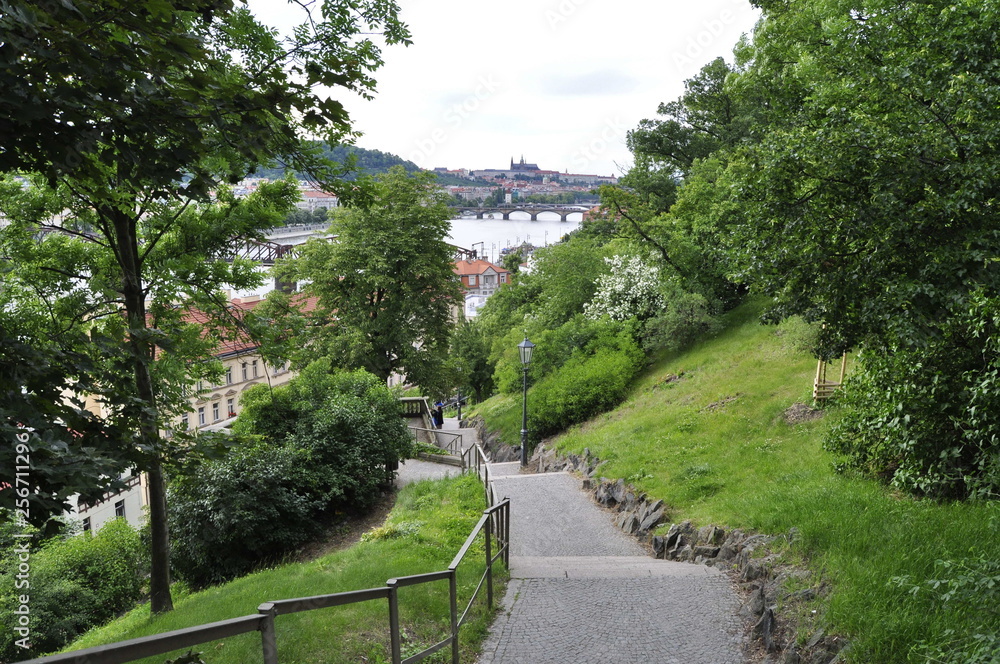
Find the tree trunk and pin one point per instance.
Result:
(148, 434)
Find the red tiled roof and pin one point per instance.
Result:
(466, 267)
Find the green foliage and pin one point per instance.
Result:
(685, 318)
(470, 357)
(927, 419)
(386, 288)
(326, 441)
(587, 384)
(429, 523)
(74, 583)
(233, 515)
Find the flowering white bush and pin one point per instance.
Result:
(631, 289)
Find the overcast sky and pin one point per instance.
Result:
(559, 81)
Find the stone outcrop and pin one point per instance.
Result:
(763, 578)
(496, 450)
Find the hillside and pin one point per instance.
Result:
(705, 430)
(426, 528)
(369, 162)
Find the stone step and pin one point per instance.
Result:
(601, 567)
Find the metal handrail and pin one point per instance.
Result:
(454, 446)
(495, 522)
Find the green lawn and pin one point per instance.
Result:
(713, 444)
(425, 529)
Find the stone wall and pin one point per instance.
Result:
(763, 579)
(496, 450)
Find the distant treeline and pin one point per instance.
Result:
(369, 162)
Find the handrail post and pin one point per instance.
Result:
(394, 645)
(453, 592)
(506, 535)
(268, 636)
(489, 561)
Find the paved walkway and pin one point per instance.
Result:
(414, 470)
(582, 591)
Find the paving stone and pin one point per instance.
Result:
(582, 592)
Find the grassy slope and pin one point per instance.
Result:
(431, 519)
(737, 463)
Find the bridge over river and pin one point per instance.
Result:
(533, 210)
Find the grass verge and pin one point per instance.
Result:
(704, 431)
(426, 528)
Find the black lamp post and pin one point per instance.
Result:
(525, 348)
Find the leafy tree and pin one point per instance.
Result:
(512, 260)
(385, 289)
(470, 352)
(867, 203)
(137, 109)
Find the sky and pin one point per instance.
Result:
(560, 82)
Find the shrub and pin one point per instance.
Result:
(924, 416)
(326, 441)
(231, 515)
(75, 583)
(685, 318)
(584, 386)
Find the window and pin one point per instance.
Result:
(201, 386)
(254, 368)
(120, 508)
(215, 411)
(86, 524)
(503, 278)
(185, 424)
(229, 375)
(472, 280)
(244, 365)
(231, 407)
(201, 416)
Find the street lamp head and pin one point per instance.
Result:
(525, 348)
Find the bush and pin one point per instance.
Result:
(231, 515)
(75, 583)
(924, 416)
(584, 386)
(327, 441)
(685, 318)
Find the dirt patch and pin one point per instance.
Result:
(721, 403)
(667, 380)
(801, 412)
(345, 530)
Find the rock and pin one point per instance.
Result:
(757, 600)
(585, 484)
(651, 520)
(726, 553)
(791, 657)
(658, 546)
(686, 553)
(764, 630)
(754, 569)
(631, 524)
(815, 639)
(706, 551)
(618, 491)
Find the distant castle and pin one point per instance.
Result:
(523, 167)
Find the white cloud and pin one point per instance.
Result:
(555, 80)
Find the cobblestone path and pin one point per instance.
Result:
(582, 591)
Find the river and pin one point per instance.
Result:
(498, 234)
